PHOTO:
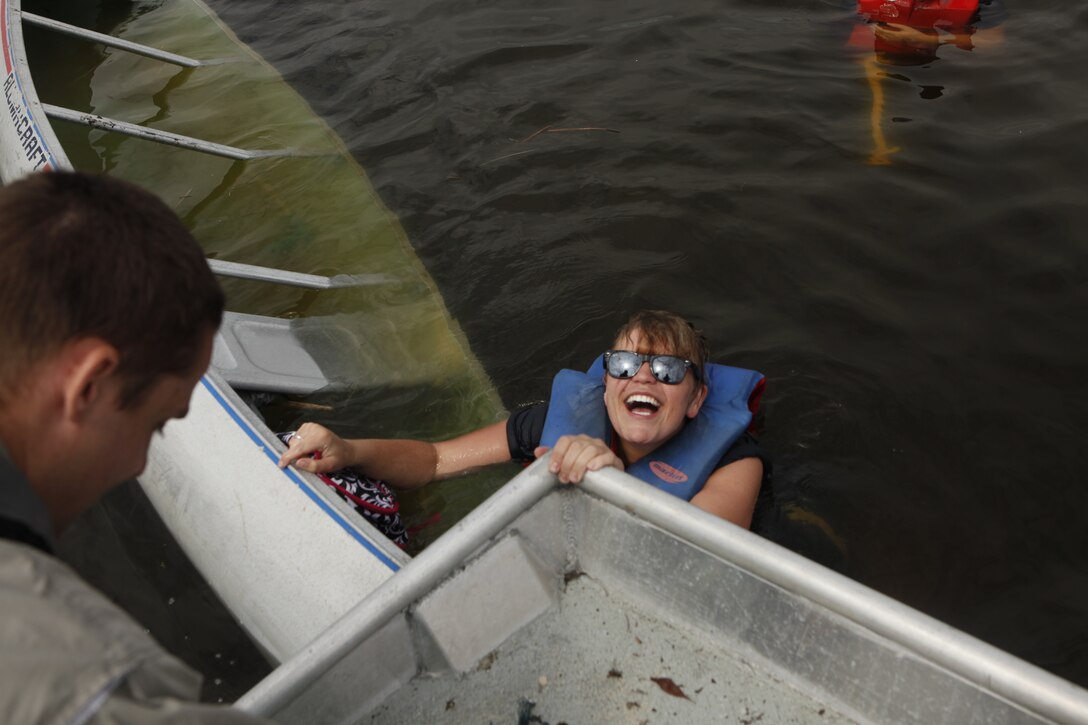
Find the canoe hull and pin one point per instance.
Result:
(27, 141)
(283, 553)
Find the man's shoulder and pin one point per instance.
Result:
(58, 609)
(83, 645)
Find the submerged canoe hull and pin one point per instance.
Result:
(284, 554)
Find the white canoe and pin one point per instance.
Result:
(285, 555)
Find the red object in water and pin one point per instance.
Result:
(920, 13)
(929, 16)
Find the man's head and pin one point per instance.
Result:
(91, 256)
(648, 409)
(108, 309)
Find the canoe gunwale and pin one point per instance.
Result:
(27, 140)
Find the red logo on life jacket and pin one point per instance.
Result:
(667, 473)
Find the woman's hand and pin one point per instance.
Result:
(317, 449)
(573, 455)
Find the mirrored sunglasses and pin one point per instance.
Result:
(669, 369)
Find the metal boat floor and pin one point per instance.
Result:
(596, 657)
(613, 602)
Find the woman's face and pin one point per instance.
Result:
(645, 412)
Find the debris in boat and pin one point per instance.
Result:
(525, 713)
(633, 705)
(487, 661)
(570, 576)
(666, 684)
(542, 682)
(450, 704)
(614, 673)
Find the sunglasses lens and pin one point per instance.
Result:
(668, 369)
(623, 364)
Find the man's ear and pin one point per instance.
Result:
(88, 365)
(697, 401)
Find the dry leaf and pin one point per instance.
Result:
(670, 687)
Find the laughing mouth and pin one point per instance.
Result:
(641, 404)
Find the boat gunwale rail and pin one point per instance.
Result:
(239, 270)
(27, 100)
(114, 42)
(169, 138)
(994, 671)
(429, 567)
(991, 669)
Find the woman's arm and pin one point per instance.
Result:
(732, 490)
(402, 463)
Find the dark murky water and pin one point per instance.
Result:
(921, 323)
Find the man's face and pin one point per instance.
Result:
(645, 412)
(115, 442)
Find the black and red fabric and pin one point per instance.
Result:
(371, 498)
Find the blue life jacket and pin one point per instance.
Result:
(684, 463)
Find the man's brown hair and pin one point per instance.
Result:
(84, 256)
(661, 330)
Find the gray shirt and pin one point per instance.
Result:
(69, 655)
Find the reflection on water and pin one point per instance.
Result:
(921, 323)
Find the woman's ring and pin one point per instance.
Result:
(296, 435)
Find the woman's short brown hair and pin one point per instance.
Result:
(84, 255)
(666, 331)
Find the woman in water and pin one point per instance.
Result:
(652, 406)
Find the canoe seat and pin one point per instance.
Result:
(253, 352)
